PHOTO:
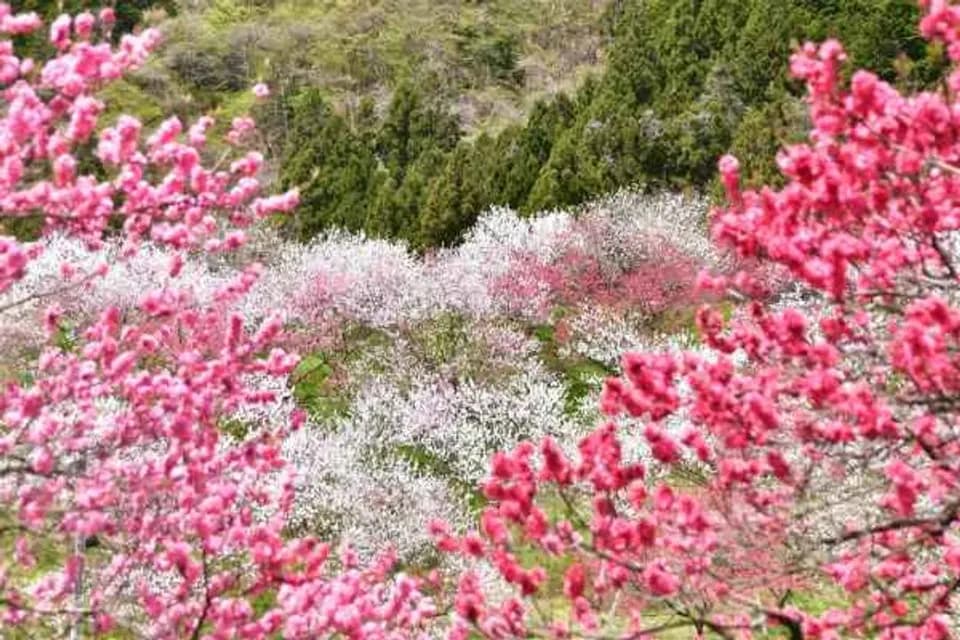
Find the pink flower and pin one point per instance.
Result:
(107, 16)
(660, 582)
(41, 460)
(60, 32)
(574, 581)
(83, 25)
(20, 24)
(261, 90)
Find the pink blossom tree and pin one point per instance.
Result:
(122, 505)
(824, 439)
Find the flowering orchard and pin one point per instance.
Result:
(418, 369)
(169, 468)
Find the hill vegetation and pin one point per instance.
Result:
(407, 119)
(684, 82)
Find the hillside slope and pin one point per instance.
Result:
(488, 60)
(408, 118)
(684, 81)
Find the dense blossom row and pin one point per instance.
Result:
(380, 283)
(507, 265)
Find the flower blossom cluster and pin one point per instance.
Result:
(112, 457)
(342, 277)
(351, 487)
(824, 424)
(415, 442)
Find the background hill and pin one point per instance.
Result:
(408, 118)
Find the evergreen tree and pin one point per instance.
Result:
(562, 181)
(413, 125)
(531, 148)
(396, 210)
(451, 206)
(336, 173)
(686, 81)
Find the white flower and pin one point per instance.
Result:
(351, 488)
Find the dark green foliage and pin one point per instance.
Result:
(528, 149)
(687, 80)
(370, 174)
(412, 127)
(683, 74)
(328, 161)
(451, 206)
(762, 132)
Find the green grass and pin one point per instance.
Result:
(122, 97)
(580, 375)
(314, 393)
